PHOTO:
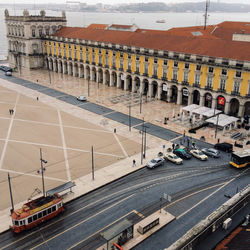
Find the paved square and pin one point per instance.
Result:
(65, 140)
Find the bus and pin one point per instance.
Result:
(36, 211)
(240, 159)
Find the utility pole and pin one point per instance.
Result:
(42, 170)
(92, 156)
(11, 197)
(206, 14)
(129, 116)
(142, 141)
(140, 102)
(145, 133)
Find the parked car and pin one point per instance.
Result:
(182, 154)
(155, 162)
(224, 146)
(198, 154)
(82, 98)
(8, 73)
(211, 152)
(174, 158)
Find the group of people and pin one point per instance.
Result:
(11, 111)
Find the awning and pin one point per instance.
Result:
(61, 188)
(190, 108)
(223, 120)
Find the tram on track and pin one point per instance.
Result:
(36, 211)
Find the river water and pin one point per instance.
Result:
(143, 20)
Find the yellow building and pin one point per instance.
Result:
(184, 65)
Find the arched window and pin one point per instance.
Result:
(33, 31)
(47, 31)
(40, 31)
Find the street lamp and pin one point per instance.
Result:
(142, 141)
(129, 116)
(42, 170)
(140, 102)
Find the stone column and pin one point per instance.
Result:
(118, 81)
(227, 107)
(241, 111)
(59, 68)
(142, 86)
(69, 69)
(50, 65)
(125, 82)
(179, 96)
(64, 68)
(150, 89)
(190, 97)
(79, 71)
(104, 78)
(133, 85)
(159, 91)
(214, 103)
(85, 73)
(202, 100)
(111, 84)
(169, 93)
(74, 70)
(54, 66)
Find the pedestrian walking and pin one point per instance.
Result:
(114, 130)
(37, 98)
(188, 142)
(134, 163)
(173, 146)
(10, 111)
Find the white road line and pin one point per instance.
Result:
(64, 146)
(55, 124)
(8, 133)
(122, 148)
(109, 113)
(226, 183)
(33, 175)
(83, 221)
(60, 147)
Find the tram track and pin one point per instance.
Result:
(98, 205)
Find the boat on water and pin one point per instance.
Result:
(36, 211)
(160, 21)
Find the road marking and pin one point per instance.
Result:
(33, 175)
(122, 148)
(79, 223)
(109, 113)
(113, 194)
(57, 125)
(225, 184)
(138, 213)
(99, 230)
(64, 146)
(60, 147)
(8, 133)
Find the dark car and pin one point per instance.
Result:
(182, 154)
(211, 152)
(224, 146)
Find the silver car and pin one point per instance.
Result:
(81, 98)
(211, 152)
(155, 162)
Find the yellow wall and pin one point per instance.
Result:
(192, 66)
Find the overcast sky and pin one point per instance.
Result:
(115, 1)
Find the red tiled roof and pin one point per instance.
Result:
(97, 26)
(200, 45)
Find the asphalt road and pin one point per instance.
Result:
(80, 225)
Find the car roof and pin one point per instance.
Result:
(180, 149)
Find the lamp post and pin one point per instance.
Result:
(145, 133)
(11, 197)
(129, 116)
(42, 170)
(92, 156)
(140, 102)
(142, 141)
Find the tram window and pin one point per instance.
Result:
(60, 204)
(44, 212)
(40, 215)
(53, 208)
(21, 222)
(49, 210)
(35, 217)
(16, 223)
(29, 219)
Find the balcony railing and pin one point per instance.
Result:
(184, 83)
(174, 80)
(236, 93)
(87, 61)
(137, 72)
(93, 63)
(164, 78)
(155, 76)
(106, 66)
(208, 88)
(222, 90)
(197, 85)
(129, 70)
(113, 67)
(145, 74)
(99, 64)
